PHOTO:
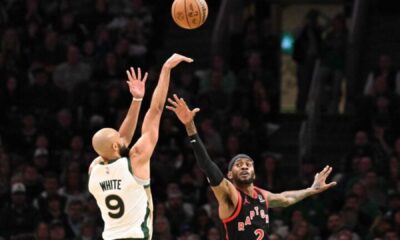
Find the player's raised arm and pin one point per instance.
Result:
(137, 88)
(141, 152)
(288, 198)
(223, 189)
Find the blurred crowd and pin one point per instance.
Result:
(62, 77)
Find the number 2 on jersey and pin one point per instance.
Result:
(259, 233)
(116, 205)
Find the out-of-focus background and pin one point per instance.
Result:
(296, 84)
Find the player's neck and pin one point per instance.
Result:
(246, 188)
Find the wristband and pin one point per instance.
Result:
(137, 99)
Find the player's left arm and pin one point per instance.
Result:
(137, 88)
(288, 198)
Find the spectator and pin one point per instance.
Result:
(20, 217)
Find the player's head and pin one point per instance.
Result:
(241, 170)
(108, 144)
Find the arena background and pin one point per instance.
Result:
(62, 77)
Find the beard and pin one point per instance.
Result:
(240, 181)
(123, 151)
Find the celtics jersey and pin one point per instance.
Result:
(250, 219)
(122, 200)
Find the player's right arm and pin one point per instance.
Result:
(141, 152)
(226, 194)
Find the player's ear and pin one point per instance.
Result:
(115, 146)
(229, 175)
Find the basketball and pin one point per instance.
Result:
(189, 14)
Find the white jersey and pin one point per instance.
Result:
(122, 200)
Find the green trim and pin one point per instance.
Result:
(144, 226)
(108, 162)
(146, 186)
(130, 166)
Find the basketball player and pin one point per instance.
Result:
(120, 178)
(243, 208)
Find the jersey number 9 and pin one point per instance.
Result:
(116, 205)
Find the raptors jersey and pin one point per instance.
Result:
(250, 219)
(122, 200)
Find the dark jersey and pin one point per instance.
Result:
(250, 218)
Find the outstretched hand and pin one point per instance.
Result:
(320, 184)
(182, 111)
(136, 83)
(175, 59)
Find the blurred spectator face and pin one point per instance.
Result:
(30, 175)
(382, 103)
(335, 222)
(64, 118)
(122, 47)
(77, 143)
(397, 218)
(111, 60)
(51, 184)
(371, 180)
(10, 39)
(161, 225)
(297, 217)
(397, 145)
(364, 165)
(73, 179)
(380, 85)
(254, 60)
(11, 84)
(91, 206)
(136, 4)
(18, 196)
(75, 211)
(51, 39)
(73, 55)
(41, 78)
(265, 106)
(232, 144)
(88, 48)
(186, 79)
(28, 121)
(269, 164)
(218, 63)
(216, 79)
(345, 235)
(160, 210)
(274, 237)
(237, 122)
(301, 229)
(391, 235)
(385, 62)
(54, 203)
(292, 237)
(207, 126)
(88, 231)
(351, 203)
(394, 202)
(361, 138)
(57, 232)
(175, 200)
(42, 231)
(308, 168)
(101, 5)
(67, 20)
(394, 167)
(42, 141)
(32, 5)
(359, 190)
(213, 234)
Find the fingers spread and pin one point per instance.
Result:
(133, 73)
(170, 108)
(139, 74)
(172, 102)
(145, 77)
(129, 75)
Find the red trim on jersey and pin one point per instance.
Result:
(237, 210)
(265, 195)
(226, 232)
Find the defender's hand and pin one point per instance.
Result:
(182, 111)
(175, 59)
(319, 184)
(136, 83)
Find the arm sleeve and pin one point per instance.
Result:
(211, 169)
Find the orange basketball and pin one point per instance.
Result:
(189, 14)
